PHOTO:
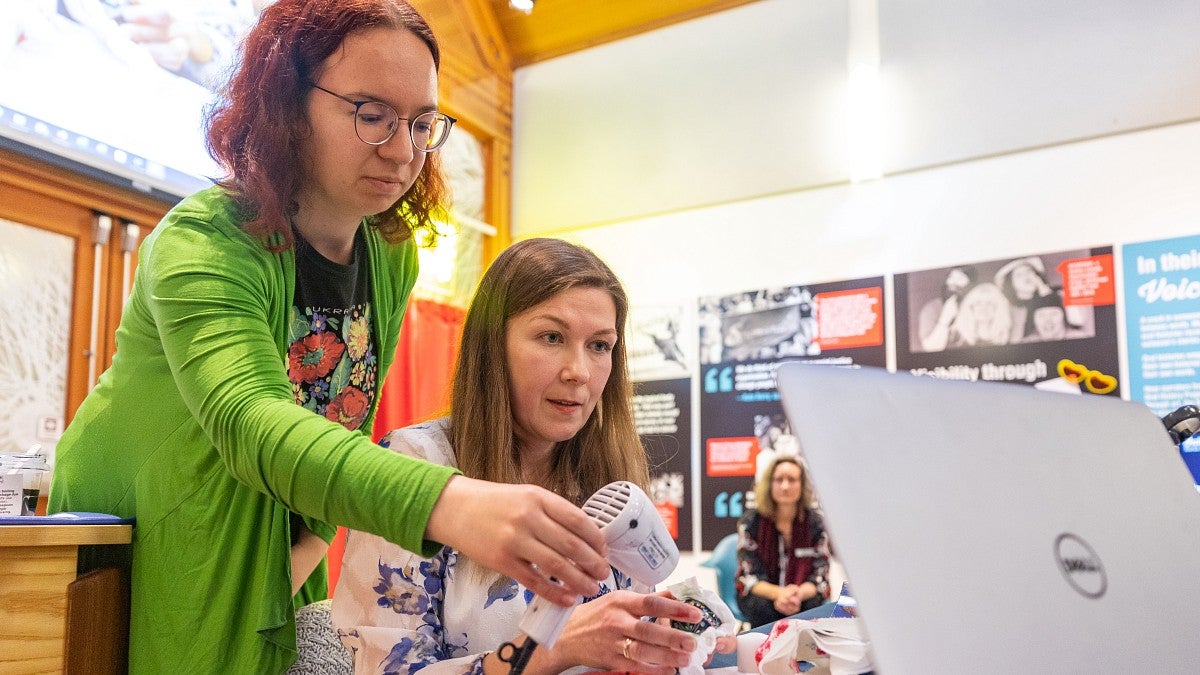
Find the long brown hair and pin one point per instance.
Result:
(607, 448)
(255, 131)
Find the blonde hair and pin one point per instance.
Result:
(765, 503)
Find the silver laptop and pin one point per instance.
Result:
(993, 528)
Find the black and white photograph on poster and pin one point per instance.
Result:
(774, 435)
(994, 303)
(659, 342)
(662, 412)
(744, 337)
(1037, 320)
(759, 324)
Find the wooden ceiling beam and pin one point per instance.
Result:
(475, 78)
(489, 41)
(558, 27)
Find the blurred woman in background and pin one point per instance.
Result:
(783, 551)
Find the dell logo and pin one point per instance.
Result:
(1080, 565)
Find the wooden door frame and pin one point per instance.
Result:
(53, 199)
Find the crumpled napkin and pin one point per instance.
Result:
(717, 622)
(834, 646)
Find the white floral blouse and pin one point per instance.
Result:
(398, 612)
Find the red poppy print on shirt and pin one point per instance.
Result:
(314, 356)
(332, 363)
(349, 408)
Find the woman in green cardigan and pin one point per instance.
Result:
(279, 289)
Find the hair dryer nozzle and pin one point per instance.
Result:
(606, 504)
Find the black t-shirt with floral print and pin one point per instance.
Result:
(332, 362)
(331, 359)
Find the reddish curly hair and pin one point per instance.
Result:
(254, 132)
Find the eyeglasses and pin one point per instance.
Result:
(376, 123)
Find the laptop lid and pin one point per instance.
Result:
(994, 528)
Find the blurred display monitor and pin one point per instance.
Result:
(118, 89)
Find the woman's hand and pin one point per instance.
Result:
(792, 596)
(608, 633)
(787, 602)
(524, 532)
(726, 644)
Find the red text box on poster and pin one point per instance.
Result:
(670, 517)
(731, 456)
(1088, 281)
(850, 318)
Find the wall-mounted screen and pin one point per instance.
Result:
(118, 88)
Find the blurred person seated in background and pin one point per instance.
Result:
(541, 395)
(783, 550)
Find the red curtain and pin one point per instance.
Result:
(418, 386)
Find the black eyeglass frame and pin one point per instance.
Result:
(407, 122)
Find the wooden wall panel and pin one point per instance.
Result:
(475, 85)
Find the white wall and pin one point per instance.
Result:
(750, 102)
(740, 103)
(706, 158)
(1117, 189)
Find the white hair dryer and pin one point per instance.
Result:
(638, 545)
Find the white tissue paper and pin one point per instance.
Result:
(717, 621)
(834, 646)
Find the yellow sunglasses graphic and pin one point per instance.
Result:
(1077, 373)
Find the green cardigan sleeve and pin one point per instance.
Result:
(221, 303)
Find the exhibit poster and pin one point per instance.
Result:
(661, 350)
(743, 338)
(1162, 328)
(1045, 320)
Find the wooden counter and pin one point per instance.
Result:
(38, 573)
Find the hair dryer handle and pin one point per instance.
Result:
(543, 621)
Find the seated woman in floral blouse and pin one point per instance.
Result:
(541, 395)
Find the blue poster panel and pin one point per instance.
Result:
(1162, 328)
(1046, 320)
(743, 338)
(661, 366)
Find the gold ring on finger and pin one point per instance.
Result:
(625, 649)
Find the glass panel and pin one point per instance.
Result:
(450, 270)
(462, 164)
(36, 280)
